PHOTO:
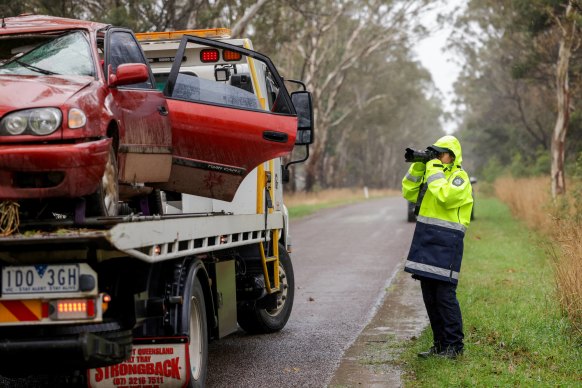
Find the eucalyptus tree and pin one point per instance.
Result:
(335, 36)
(522, 69)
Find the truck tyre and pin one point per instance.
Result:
(105, 201)
(263, 321)
(194, 324)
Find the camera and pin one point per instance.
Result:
(412, 156)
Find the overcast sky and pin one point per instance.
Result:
(441, 64)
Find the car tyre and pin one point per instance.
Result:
(105, 201)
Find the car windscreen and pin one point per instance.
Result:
(65, 54)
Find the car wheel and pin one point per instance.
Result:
(263, 321)
(156, 203)
(105, 201)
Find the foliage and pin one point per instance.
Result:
(515, 334)
(507, 88)
(561, 221)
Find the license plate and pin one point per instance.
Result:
(44, 278)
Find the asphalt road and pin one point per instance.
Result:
(344, 259)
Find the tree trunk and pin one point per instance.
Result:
(244, 21)
(563, 99)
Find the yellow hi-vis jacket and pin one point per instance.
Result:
(445, 212)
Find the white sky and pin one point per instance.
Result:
(441, 64)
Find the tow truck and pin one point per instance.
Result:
(133, 299)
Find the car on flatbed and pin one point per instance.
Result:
(81, 118)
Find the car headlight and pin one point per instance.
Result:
(39, 121)
(15, 124)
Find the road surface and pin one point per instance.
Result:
(344, 259)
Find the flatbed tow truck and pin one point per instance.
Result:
(132, 300)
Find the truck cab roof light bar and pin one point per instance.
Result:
(212, 33)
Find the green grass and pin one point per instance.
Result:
(514, 332)
(298, 211)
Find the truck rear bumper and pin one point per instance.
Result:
(81, 351)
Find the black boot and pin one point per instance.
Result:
(433, 351)
(450, 353)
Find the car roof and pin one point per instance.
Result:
(37, 23)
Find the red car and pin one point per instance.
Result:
(80, 117)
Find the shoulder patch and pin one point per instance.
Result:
(458, 181)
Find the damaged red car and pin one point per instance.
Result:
(81, 118)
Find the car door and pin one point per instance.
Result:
(145, 135)
(224, 120)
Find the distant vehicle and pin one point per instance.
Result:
(411, 217)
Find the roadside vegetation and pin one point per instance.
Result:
(517, 331)
(301, 204)
(561, 221)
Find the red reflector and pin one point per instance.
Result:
(45, 310)
(229, 55)
(209, 55)
(91, 308)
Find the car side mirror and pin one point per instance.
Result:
(128, 73)
(304, 108)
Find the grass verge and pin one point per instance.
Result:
(303, 204)
(514, 332)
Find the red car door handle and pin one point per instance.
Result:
(163, 111)
(279, 137)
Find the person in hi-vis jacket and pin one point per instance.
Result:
(443, 196)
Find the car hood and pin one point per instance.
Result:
(22, 92)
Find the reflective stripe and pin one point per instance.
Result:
(432, 269)
(434, 177)
(413, 178)
(443, 223)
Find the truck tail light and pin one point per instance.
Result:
(209, 55)
(74, 309)
(229, 55)
(105, 302)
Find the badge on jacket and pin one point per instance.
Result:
(458, 181)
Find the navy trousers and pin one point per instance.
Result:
(444, 313)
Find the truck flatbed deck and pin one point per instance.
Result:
(147, 238)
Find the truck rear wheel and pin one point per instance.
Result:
(194, 324)
(264, 320)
